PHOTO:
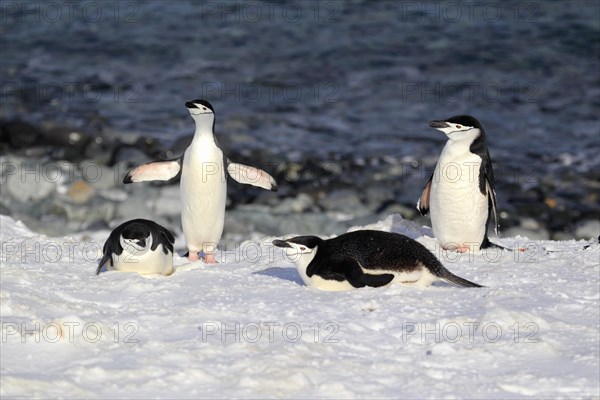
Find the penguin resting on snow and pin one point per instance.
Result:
(140, 246)
(460, 193)
(365, 258)
(203, 184)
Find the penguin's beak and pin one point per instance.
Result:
(189, 104)
(438, 124)
(281, 243)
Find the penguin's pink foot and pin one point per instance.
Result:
(462, 249)
(210, 258)
(193, 256)
(458, 249)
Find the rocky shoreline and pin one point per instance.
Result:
(59, 180)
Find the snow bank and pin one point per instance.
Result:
(249, 328)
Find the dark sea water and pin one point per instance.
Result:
(298, 79)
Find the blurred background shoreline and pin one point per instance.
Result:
(332, 98)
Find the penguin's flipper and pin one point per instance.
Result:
(491, 193)
(375, 280)
(154, 171)
(423, 203)
(248, 175)
(353, 272)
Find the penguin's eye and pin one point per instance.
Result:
(204, 108)
(302, 248)
(458, 126)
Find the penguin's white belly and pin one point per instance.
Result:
(421, 277)
(418, 277)
(458, 209)
(316, 281)
(203, 196)
(143, 261)
(328, 284)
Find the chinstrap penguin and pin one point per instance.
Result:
(460, 193)
(140, 246)
(365, 258)
(203, 184)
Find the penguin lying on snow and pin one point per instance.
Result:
(203, 183)
(140, 246)
(460, 193)
(365, 258)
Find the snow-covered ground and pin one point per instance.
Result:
(249, 328)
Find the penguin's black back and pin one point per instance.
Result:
(379, 250)
(383, 251)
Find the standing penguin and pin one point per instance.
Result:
(203, 183)
(460, 193)
(365, 258)
(140, 246)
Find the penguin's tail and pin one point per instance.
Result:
(456, 280)
(436, 268)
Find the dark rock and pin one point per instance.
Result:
(63, 136)
(180, 145)
(19, 134)
(154, 148)
(129, 155)
(99, 150)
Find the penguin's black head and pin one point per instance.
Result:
(459, 127)
(301, 250)
(137, 233)
(465, 120)
(203, 113)
(300, 243)
(200, 105)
